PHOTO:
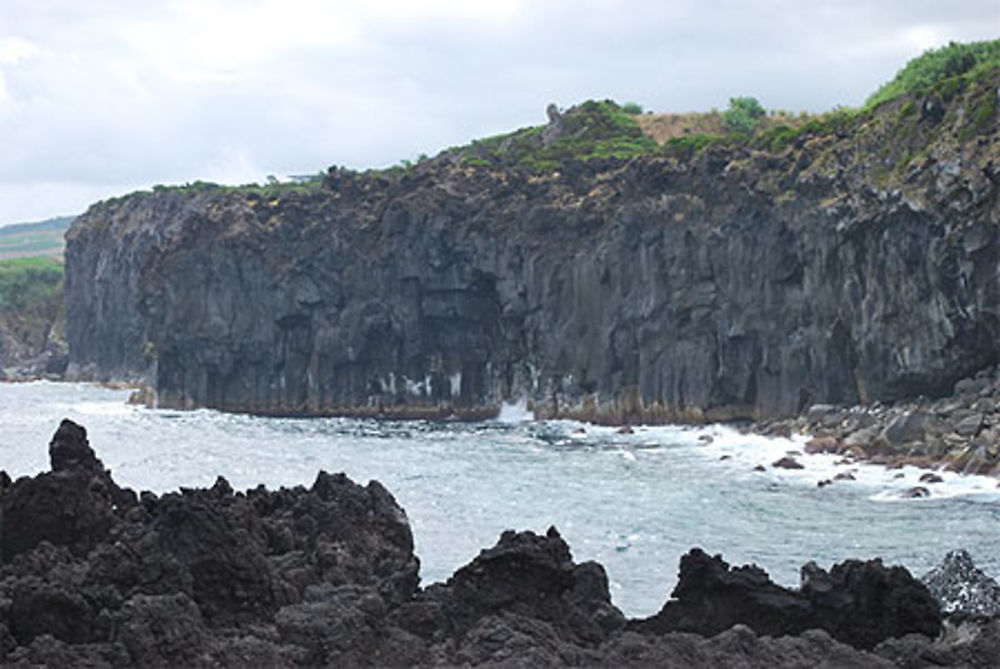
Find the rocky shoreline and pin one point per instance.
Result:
(957, 433)
(92, 574)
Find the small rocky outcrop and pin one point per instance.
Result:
(71, 506)
(787, 462)
(858, 603)
(93, 575)
(960, 587)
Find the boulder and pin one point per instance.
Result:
(787, 462)
(969, 426)
(863, 602)
(824, 444)
(906, 428)
(825, 415)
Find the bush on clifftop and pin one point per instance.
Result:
(745, 114)
(944, 70)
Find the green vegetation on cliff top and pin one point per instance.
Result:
(606, 130)
(943, 70)
(589, 130)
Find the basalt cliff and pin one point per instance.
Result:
(847, 262)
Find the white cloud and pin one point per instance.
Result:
(14, 49)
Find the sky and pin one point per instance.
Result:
(104, 97)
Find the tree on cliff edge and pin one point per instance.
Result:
(744, 115)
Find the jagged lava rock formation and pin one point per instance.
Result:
(92, 574)
(856, 264)
(960, 587)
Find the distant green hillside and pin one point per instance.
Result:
(44, 238)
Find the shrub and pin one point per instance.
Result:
(744, 115)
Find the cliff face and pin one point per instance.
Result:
(858, 264)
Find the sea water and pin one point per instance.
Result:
(633, 502)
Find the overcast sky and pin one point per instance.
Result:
(102, 97)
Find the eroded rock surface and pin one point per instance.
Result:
(859, 603)
(326, 576)
(960, 587)
(735, 283)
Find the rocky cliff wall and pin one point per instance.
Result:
(856, 264)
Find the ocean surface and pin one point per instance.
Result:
(633, 502)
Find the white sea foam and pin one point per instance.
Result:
(634, 500)
(515, 413)
(743, 452)
(103, 408)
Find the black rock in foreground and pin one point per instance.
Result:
(93, 575)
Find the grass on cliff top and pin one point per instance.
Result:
(594, 129)
(28, 281)
(945, 70)
(606, 130)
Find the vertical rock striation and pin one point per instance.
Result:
(737, 283)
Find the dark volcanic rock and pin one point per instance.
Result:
(864, 602)
(859, 603)
(529, 576)
(787, 462)
(710, 597)
(326, 576)
(88, 563)
(734, 283)
(69, 450)
(74, 505)
(960, 587)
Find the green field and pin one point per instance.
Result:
(24, 240)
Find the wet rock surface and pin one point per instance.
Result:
(959, 432)
(326, 576)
